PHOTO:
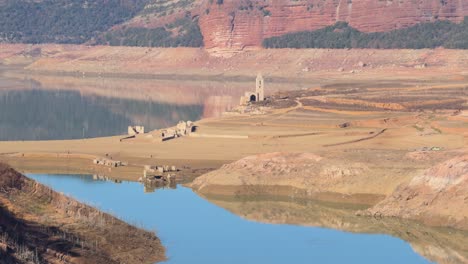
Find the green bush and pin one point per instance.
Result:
(341, 35)
(188, 35)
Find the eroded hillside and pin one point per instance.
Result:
(240, 24)
(227, 24)
(439, 195)
(39, 225)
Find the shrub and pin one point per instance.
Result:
(341, 35)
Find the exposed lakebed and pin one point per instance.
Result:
(194, 230)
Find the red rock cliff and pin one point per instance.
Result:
(237, 24)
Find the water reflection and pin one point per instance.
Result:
(99, 177)
(196, 231)
(440, 245)
(44, 115)
(151, 187)
(148, 186)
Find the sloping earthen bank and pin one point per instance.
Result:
(39, 225)
(436, 195)
(439, 196)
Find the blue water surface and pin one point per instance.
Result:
(194, 230)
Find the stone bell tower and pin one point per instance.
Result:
(260, 88)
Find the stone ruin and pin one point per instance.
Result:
(184, 128)
(135, 130)
(258, 95)
(159, 169)
(158, 176)
(180, 130)
(108, 162)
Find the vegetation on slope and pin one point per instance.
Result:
(62, 21)
(341, 35)
(106, 22)
(160, 8)
(184, 32)
(90, 21)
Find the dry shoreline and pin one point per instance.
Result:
(319, 65)
(40, 225)
(297, 129)
(53, 163)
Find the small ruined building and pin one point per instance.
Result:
(135, 130)
(158, 169)
(158, 176)
(258, 95)
(182, 129)
(108, 162)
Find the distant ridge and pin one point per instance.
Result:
(238, 24)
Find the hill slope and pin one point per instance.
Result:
(427, 196)
(341, 35)
(39, 225)
(238, 24)
(62, 21)
(232, 24)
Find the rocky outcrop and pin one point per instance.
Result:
(242, 24)
(304, 175)
(264, 169)
(439, 196)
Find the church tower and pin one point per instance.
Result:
(259, 88)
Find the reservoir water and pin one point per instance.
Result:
(43, 107)
(195, 230)
(74, 108)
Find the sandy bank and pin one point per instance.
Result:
(331, 130)
(321, 65)
(438, 196)
(346, 177)
(308, 173)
